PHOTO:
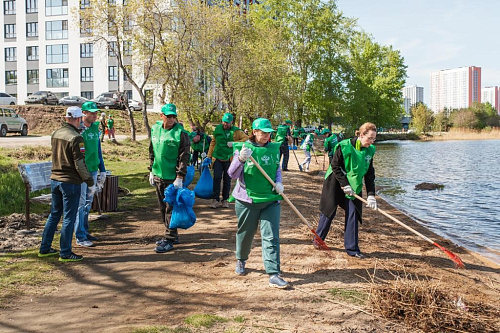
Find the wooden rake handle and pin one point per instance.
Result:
(283, 195)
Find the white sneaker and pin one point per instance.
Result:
(215, 204)
(85, 243)
(225, 204)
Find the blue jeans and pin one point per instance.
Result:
(82, 217)
(65, 198)
(220, 173)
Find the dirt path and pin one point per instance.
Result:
(122, 283)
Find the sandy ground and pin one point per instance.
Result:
(123, 284)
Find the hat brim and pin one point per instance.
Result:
(91, 110)
(267, 130)
(170, 113)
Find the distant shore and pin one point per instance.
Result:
(463, 134)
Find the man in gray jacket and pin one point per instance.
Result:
(69, 171)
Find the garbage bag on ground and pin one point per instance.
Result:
(182, 202)
(204, 187)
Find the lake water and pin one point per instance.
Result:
(467, 209)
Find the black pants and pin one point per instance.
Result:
(296, 141)
(165, 209)
(220, 173)
(194, 158)
(286, 155)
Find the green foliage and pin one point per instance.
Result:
(204, 320)
(349, 295)
(422, 118)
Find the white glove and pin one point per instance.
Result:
(203, 155)
(101, 179)
(151, 179)
(371, 202)
(348, 190)
(230, 144)
(178, 183)
(279, 188)
(245, 153)
(91, 191)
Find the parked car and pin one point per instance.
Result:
(134, 105)
(11, 122)
(42, 97)
(309, 129)
(107, 103)
(6, 99)
(72, 100)
(117, 97)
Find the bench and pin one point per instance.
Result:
(36, 176)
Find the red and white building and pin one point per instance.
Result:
(492, 96)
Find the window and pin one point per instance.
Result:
(128, 24)
(128, 69)
(57, 77)
(85, 27)
(84, 4)
(11, 54)
(127, 48)
(87, 74)
(113, 73)
(86, 50)
(57, 54)
(56, 7)
(128, 93)
(111, 49)
(112, 2)
(32, 29)
(32, 75)
(87, 94)
(56, 30)
(10, 30)
(32, 53)
(11, 77)
(31, 6)
(9, 7)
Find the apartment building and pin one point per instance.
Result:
(455, 88)
(492, 96)
(43, 48)
(411, 96)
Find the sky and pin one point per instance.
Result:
(433, 35)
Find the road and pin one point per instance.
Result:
(16, 141)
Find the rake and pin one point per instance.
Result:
(317, 240)
(458, 262)
(300, 166)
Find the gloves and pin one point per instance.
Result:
(230, 144)
(151, 179)
(372, 202)
(178, 183)
(348, 190)
(245, 154)
(101, 179)
(91, 191)
(279, 188)
(203, 155)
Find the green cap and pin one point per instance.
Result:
(262, 124)
(227, 117)
(326, 130)
(169, 109)
(288, 121)
(89, 106)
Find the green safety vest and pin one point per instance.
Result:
(295, 133)
(222, 137)
(199, 145)
(166, 150)
(330, 143)
(257, 186)
(111, 122)
(281, 133)
(356, 164)
(91, 141)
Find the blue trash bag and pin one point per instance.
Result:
(204, 187)
(182, 201)
(292, 147)
(189, 176)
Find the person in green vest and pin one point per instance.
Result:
(284, 137)
(352, 162)
(111, 127)
(257, 201)
(169, 158)
(296, 135)
(221, 152)
(330, 142)
(94, 162)
(200, 143)
(306, 146)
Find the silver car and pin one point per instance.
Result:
(6, 99)
(11, 122)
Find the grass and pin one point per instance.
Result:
(349, 295)
(204, 320)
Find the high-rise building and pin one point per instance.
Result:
(492, 96)
(455, 88)
(412, 95)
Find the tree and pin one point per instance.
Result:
(421, 118)
(441, 121)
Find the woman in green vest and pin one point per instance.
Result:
(257, 200)
(352, 162)
(111, 127)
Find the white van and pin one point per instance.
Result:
(11, 122)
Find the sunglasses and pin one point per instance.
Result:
(171, 116)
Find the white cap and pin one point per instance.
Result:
(103, 114)
(74, 112)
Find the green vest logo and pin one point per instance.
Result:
(265, 160)
(368, 158)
